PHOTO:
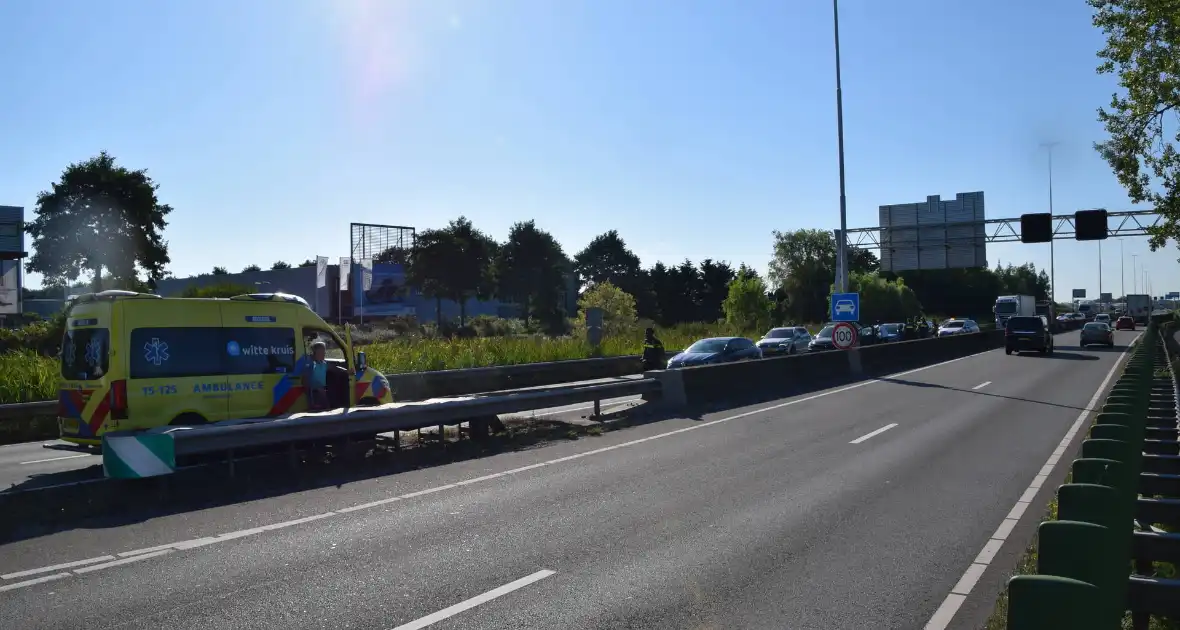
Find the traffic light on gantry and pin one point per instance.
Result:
(1090, 225)
(1036, 228)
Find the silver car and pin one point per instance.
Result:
(785, 340)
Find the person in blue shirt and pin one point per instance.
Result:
(315, 377)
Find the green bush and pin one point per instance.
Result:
(220, 290)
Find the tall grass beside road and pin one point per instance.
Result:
(27, 375)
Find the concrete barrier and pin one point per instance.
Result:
(784, 376)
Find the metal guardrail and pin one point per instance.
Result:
(155, 452)
(459, 382)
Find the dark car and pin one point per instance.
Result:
(1126, 322)
(1026, 333)
(1096, 333)
(716, 350)
(784, 340)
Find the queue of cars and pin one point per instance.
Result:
(791, 340)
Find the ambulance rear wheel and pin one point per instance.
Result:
(188, 420)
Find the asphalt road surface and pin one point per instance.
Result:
(857, 507)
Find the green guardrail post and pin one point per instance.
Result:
(1137, 402)
(1113, 509)
(1129, 453)
(1119, 432)
(1103, 472)
(1136, 426)
(1045, 602)
(1085, 552)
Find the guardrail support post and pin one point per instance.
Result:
(597, 408)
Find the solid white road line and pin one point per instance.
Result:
(116, 563)
(56, 567)
(946, 611)
(874, 433)
(151, 552)
(40, 580)
(56, 459)
(982, 385)
(451, 611)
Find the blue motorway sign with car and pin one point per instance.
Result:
(845, 307)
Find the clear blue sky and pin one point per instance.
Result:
(695, 127)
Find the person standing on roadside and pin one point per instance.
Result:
(315, 377)
(911, 329)
(653, 351)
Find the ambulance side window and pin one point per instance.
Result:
(260, 350)
(167, 352)
(333, 349)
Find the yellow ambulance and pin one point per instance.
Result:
(136, 361)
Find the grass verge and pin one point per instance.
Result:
(1027, 565)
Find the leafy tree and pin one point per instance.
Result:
(220, 271)
(746, 305)
(715, 279)
(249, 268)
(393, 256)
(618, 308)
(883, 300)
(428, 266)
(220, 290)
(1143, 50)
(455, 263)
(310, 262)
(283, 265)
(804, 265)
(530, 270)
(607, 259)
(99, 216)
(747, 271)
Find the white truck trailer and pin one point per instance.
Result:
(1012, 306)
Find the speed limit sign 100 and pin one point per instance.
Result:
(844, 336)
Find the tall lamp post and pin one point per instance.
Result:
(841, 246)
(1052, 258)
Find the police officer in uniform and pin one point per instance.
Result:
(911, 330)
(653, 351)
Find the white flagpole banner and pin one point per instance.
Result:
(345, 268)
(321, 272)
(367, 279)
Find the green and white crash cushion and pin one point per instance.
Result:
(138, 455)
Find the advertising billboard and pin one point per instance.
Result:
(1105, 297)
(934, 234)
(380, 290)
(1079, 293)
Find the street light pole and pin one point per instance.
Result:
(1122, 270)
(841, 247)
(1099, 270)
(1135, 273)
(1052, 257)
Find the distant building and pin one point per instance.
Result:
(387, 296)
